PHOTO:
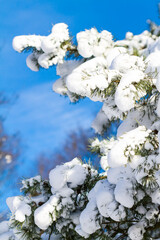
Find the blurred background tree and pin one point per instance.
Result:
(75, 145)
(9, 153)
(9, 150)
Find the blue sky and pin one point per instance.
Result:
(42, 118)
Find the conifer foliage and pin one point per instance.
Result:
(77, 202)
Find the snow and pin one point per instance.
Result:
(157, 176)
(5, 236)
(19, 207)
(58, 177)
(87, 76)
(44, 214)
(124, 62)
(92, 43)
(88, 221)
(72, 175)
(59, 33)
(137, 117)
(99, 122)
(22, 42)
(113, 174)
(104, 162)
(104, 196)
(115, 211)
(49, 48)
(153, 66)
(139, 42)
(76, 176)
(63, 179)
(137, 160)
(151, 213)
(148, 165)
(4, 227)
(154, 46)
(126, 93)
(110, 109)
(136, 231)
(141, 210)
(59, 86)
(117, 156)
(65, 68)
(31, 181)
(79, 230)
(124, 193)
(113, 53)
(158, 108)
(5, 232)
(158, 82)
(32, 62)
(156, 196)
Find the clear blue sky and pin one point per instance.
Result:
(42, 118)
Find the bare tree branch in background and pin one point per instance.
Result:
(76, 145)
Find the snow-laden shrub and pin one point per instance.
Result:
(76, 202)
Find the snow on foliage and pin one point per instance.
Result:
(92, 43)
(77, 202)
(47, 50)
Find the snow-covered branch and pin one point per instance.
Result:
(123, 202)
